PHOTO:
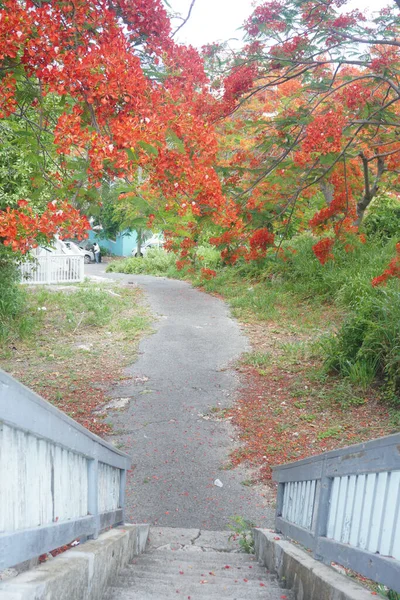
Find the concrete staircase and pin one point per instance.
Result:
(195, 565)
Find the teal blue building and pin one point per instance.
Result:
(122, 245)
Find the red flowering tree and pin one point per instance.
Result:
(313, 99)
(103, 94)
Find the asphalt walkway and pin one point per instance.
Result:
(184, 371)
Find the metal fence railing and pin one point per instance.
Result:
(53, 268)
(344, 505)
(58, 481)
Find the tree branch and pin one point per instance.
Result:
(187, 18)
(353, 38)
(380, 123)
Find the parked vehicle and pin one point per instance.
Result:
(86, 245)
(153, 242)
(84, 248)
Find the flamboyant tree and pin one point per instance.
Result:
(103, 93)
(314, 98)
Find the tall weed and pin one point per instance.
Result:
(15, 321)
(367, 345)
(344, 280)
(382, 221)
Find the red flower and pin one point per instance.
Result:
(261, 239)
(208, 273)
(393, 269)
(322, 250)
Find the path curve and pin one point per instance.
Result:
(184, 370)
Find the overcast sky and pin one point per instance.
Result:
(214, 20)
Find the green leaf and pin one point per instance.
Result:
(149, 148)
(131, 154)
(137, 222)
(174, 142)
(327, 159)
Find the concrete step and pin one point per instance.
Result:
(191, 572)
(177, 562)
(170, 538)
(195, 565)
(198, 558)
(191, 579)
(200, 592)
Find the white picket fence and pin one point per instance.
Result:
(53, 268)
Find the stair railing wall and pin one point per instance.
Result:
(344, 506)
(58, 481)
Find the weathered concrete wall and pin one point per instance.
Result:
(109, 484)
(58, 481)
(82, 573)
(37, 475)
(308, 578)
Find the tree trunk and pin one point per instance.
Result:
(139, 241)
(327, 189)
(369, 192)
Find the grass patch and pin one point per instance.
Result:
(256, 359)
(343, 393)
(332, 432)
(84, 335)
(309, 418)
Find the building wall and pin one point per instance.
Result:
(121, 246)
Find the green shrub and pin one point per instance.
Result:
(368, 343)
(105, 251)
(209, 257)
(154, 262)
(383, 218)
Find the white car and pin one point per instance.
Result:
(153, 242)
(88, 254)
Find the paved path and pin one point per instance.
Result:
(184, 370)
